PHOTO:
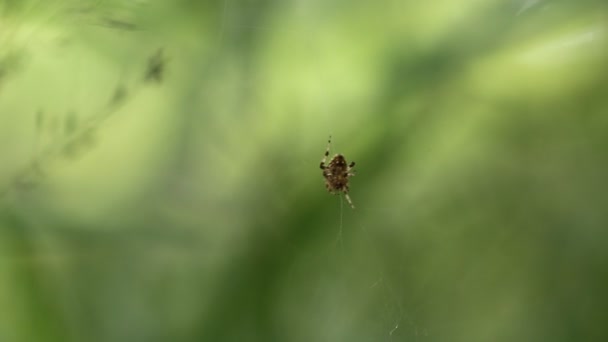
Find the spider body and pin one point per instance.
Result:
(336, 173)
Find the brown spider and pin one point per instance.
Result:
(336, 173)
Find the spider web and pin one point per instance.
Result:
(351, 295)
(375, 295)
(394, 321)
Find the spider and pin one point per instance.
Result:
(336, 173)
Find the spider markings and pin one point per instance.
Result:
(336, 173)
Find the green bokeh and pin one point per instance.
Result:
(159, 174)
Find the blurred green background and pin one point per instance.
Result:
(159, 174)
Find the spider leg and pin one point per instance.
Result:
(326, 154)
(348, 200)
(349, 170)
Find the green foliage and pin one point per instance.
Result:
(160, 171)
